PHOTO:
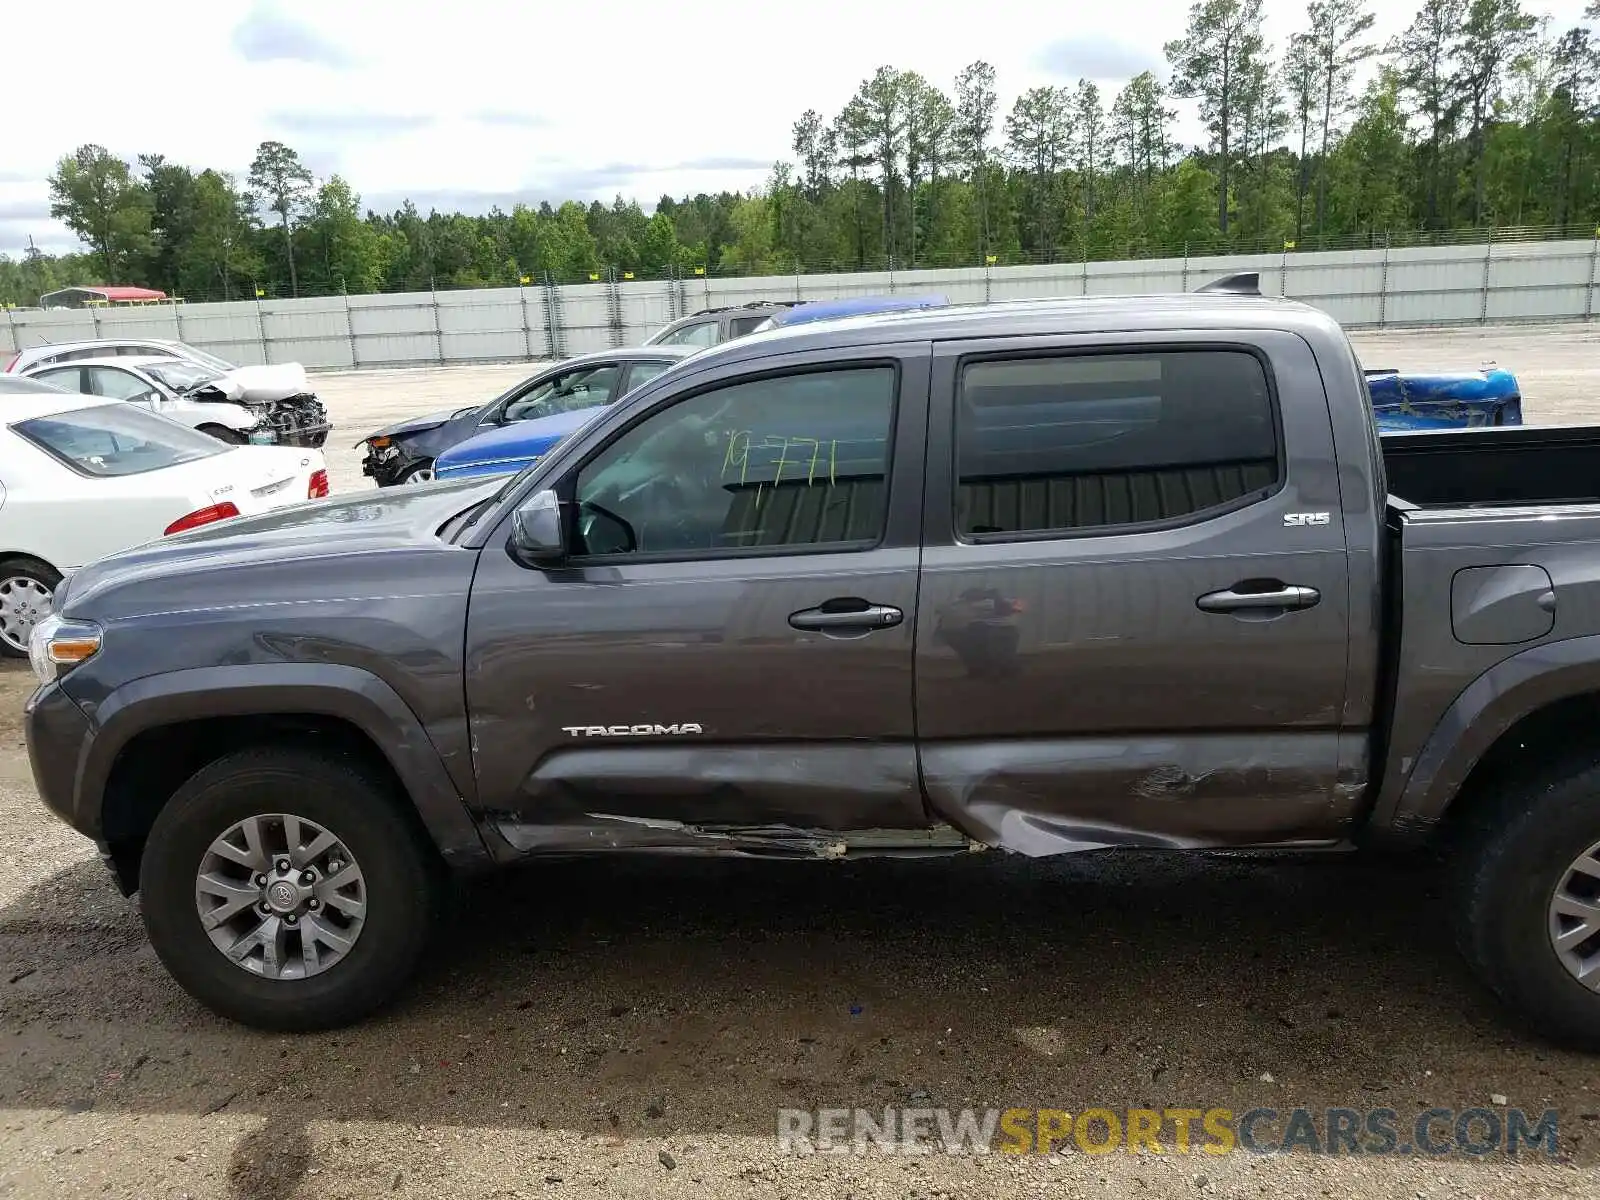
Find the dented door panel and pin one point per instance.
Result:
(1075, 690)
(625, 702)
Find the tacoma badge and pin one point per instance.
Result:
(630, 730)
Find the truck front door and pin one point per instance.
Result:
(1133, 618)
(729, 643)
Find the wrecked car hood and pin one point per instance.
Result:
(415, 425)
(1444, 399)
(275, 381)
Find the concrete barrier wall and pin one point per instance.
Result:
(1443, 285)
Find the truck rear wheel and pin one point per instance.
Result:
(1529, 906)
(283, 889)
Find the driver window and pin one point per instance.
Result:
(118, 385)
(583, 388)
(796, 460)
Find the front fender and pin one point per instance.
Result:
(222, 412)
(289, 689)
(1491, 704)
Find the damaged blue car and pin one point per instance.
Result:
(1444, 400)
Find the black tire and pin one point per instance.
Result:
(223, 434)
(402, 876)
(41, 573)
(1513, 854)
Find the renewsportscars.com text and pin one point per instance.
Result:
(1431, 1132)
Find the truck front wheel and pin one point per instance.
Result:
(284, 889)
(1529, 905)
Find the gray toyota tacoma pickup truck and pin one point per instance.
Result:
(1045, 576)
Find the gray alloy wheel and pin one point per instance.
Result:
(23, 601)
(1575, 918)
(422, 474)
(281, 897)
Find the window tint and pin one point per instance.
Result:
(740, 326)
(644, 372)
(799, 460)
(702, 334)
(117, 439)
(583, 388)
(119, 385)
(1111, 439)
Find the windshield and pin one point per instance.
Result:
(513, 482)
(583, 388)
(110, 440)
(221, 366)
(178, 375)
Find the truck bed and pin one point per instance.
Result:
(1494, 466)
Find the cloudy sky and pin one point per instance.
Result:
(475, 102)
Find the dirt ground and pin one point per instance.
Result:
(632, 1028)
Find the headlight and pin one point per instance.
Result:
(58, 644)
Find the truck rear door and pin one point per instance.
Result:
(1133, 624)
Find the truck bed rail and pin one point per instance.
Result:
(1524, 464)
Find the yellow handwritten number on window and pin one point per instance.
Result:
(737, 454)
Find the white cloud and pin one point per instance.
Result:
(506, 99)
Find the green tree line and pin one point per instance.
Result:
(1478, 116)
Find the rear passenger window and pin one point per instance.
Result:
(740, 326)
(1086, 442)
(702, 334)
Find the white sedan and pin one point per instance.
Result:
(162, 385)
(254, 383)
(83, 476)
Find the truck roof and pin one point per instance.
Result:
(1055, 315)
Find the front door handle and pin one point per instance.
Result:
(863, 617)
(1288, 596)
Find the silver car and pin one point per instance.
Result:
(63, 352)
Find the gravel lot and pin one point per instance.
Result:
(632, 1028)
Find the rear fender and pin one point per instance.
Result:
(1486, 708)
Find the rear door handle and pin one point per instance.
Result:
(1289, 596)
(827, 620)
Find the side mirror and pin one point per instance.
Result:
(537, 536)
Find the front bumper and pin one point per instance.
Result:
(387, 465)
(309, 438)
(300, 421)
(57, 734)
